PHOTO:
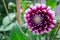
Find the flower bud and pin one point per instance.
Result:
(11, 5)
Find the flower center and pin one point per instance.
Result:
(37, 19)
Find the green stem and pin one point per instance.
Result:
(6, 13)
(46, 36)
(54, 37)
(30, 37)
(5, 35)
(14, 10)
(30, 34)
(38, 37)
(6, 8)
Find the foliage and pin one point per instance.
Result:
(15, 32)
(51, 3)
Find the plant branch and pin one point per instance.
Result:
(54, 37)
(6, 9)
(18, 12)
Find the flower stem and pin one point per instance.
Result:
(54, 37)
(5, 35)
(18, 12)
(46, 36)
(6, 9)
(14, 10)
(38, 37)
(6, 13)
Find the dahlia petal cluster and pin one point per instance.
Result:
(40, 18)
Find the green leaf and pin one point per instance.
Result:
(51, 3)
(26, 4)
(17, 34)
(6, 28)
(6, 20)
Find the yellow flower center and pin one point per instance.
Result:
(37, 19)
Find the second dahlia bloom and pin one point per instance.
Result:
(40, 18)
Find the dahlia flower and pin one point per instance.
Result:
(40, 18)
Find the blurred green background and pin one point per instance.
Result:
(9, 28)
